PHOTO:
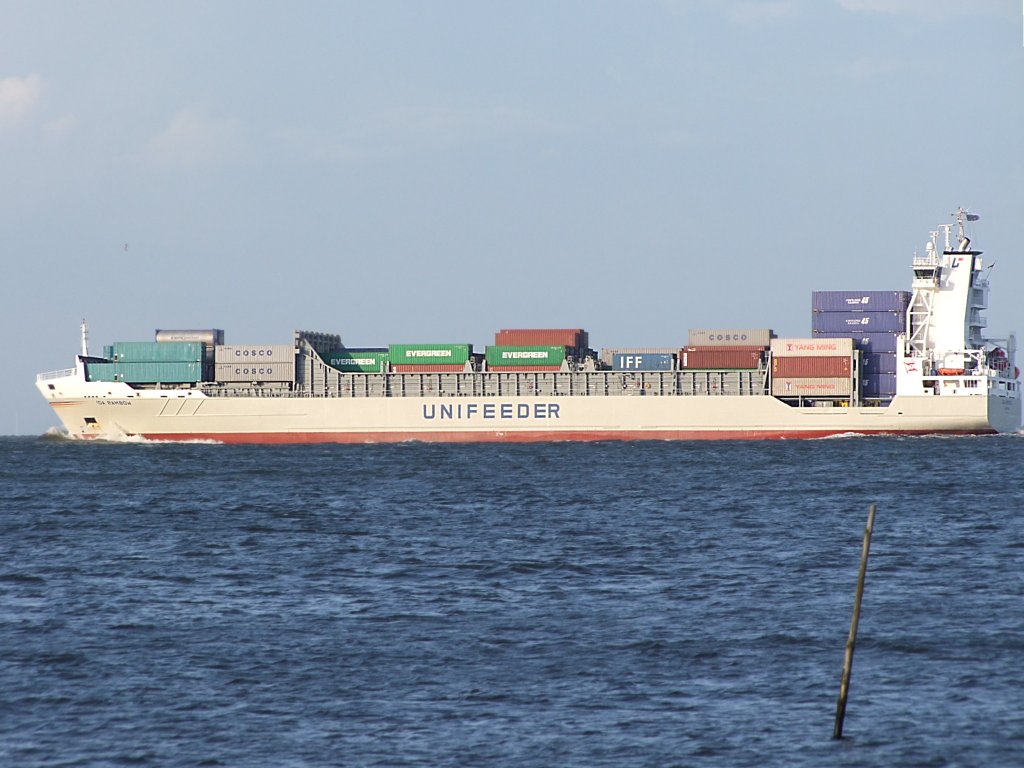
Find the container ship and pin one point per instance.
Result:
(875, 362)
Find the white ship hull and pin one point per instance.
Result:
(116, 411)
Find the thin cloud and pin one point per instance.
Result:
(932, 9)
(18, 97)
(59, 127)
(413, 128)
(195, 139)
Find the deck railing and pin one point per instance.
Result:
(56, 374)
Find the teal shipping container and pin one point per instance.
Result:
(429, 354)
(500, 356)
(157, 352)
(146, 373)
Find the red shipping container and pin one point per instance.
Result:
(830, 367)
(428, 368)
(524, 368)
(542, 337)
(729, 349)
(723, 358)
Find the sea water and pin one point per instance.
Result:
(607, 604)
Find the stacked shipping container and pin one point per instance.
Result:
(151, 362)
(732, 358)
(429, 358)
(812, 367)
(725, 349)
(729, 337)
(147, 372)
(537, 357)
(575, 341)
(874, 320)
(254, 363)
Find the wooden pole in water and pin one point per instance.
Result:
(851, 641)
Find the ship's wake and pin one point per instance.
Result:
(57, 434)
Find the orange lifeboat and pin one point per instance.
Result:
(951, 371)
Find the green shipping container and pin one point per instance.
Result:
(357, 362)
(158, 352)
(429, 354)
(498, 356)
(146, 373)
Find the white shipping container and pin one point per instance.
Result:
(210, 336)
(729, 337)
(254, 371)
(254, 353)
(791, 387)
(815, 347)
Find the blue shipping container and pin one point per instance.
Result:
(871, 364)
(871, 343)
(878, 385)
(860, 301)
(643, 361)
(858, 322)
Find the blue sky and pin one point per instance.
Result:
(434, 171)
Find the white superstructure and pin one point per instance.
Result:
(946, 353)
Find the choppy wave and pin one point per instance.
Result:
(605, 604)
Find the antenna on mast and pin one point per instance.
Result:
(964, 242)
(85, 339)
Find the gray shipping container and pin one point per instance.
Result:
(729, 337)
(254, 370)
(254, 353)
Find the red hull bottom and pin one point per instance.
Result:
(278, 438)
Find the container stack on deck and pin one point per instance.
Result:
(536, 349)
(812, 368)
(151, 362)
(873, 320)
(254, 363)
(429, 358)
(527, 357)
(724, 349)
